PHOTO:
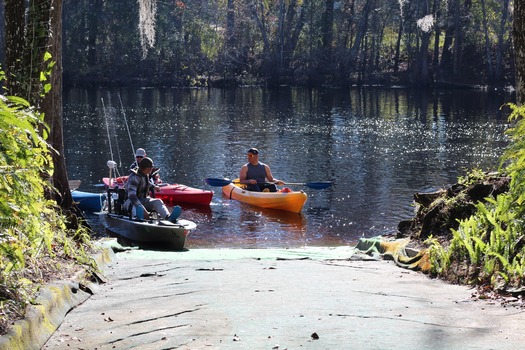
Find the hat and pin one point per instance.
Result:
(145, 163)
(253, 150)
(140, 152)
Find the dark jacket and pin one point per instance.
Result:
(138, 186)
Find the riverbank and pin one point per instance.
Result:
(280, 298)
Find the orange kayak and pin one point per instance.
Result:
(282, 200)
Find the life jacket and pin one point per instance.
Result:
(138, 184)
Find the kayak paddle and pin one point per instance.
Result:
(314, 185)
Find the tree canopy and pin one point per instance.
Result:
(308, 42)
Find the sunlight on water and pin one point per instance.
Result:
(378, 147)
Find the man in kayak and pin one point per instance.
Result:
(154, 176)
(258, 175)
(138, 187)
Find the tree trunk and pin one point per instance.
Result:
(398, 45)
(488, 44)
(437, 34)
(519, 49)
(26, 62)
(360, 36)
(260, 19)
(230, 26)
(327, 28)
(95, 7)
(52, 107)
(501, 46)
(458, 39)
(422, 74)
(2, 32)
(14, 45)
(446, 55)
(295, 30)
(280, 39)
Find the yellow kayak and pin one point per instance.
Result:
(282, 200)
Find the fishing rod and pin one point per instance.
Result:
(113, 166)
(116, 139)
(107, 128)
(127, 127)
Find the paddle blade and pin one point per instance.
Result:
(319, 185)
(217, 182)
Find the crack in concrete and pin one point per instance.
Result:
(140, 276)
(165, 316)
(168, 295)
(399, 318)
(147, 332)
(383, 294)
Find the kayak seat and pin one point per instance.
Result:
(122, 195)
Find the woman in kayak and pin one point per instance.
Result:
(258, 175)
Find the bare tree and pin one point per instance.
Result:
(280, 39)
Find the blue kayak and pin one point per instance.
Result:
(88, 201)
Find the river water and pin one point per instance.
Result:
(378, 146)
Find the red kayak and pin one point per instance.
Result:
(171, 193)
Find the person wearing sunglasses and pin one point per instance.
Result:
(155, 173)
(257, 175)
(139, 154)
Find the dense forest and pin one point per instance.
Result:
(300, 42)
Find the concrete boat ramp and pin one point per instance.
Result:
(308, 298)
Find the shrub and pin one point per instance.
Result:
(35, 244)
(489, 247)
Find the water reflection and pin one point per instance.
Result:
(378, 146)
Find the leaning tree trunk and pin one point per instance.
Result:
(519, 49)
(355, 50)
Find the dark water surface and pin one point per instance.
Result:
(378, 146)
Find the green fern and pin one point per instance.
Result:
(490, 242)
